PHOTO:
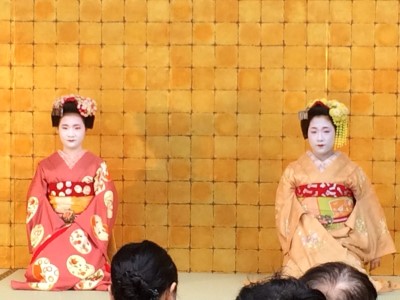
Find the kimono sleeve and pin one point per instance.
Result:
(41, 220)
(368, 221)
(99, 217)
(287, 209)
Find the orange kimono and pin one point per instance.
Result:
(329, 214)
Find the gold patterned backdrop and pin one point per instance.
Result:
(198, 103)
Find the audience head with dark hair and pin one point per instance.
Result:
(340, 281)
(143, 271)
(279, 288)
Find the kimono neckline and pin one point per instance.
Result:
(75, 163)
(323, 165)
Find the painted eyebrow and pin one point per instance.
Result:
(73, 125)
(328, 127)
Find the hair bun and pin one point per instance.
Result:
(132, 286)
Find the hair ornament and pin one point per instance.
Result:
(339, 114)
(87, 107)
(154, 294)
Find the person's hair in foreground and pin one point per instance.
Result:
(279, 288)
(340, 281)
(143, 271)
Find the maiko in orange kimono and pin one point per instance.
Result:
(356, 234)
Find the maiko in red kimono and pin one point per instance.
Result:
(69, 255)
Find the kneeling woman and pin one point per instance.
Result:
(326, 208)
(71, 209)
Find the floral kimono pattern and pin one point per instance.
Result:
(361, 234)
(69, 255)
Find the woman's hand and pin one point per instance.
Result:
(68, 217)
(373, 264)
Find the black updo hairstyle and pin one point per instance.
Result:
(279, 288)
(141, 271)
(318, 109)
(70, 107)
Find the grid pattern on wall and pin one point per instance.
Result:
(198, 111)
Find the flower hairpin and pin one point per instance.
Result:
(86, 106)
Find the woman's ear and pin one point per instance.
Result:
(172, 288)
(172, 291)
(110, 293)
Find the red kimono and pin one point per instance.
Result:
(69, 255)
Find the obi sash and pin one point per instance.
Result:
(70, 196)
(331, 203)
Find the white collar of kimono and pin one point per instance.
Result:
(322, 164)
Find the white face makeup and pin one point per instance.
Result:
(321, 137)
(72, 132)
